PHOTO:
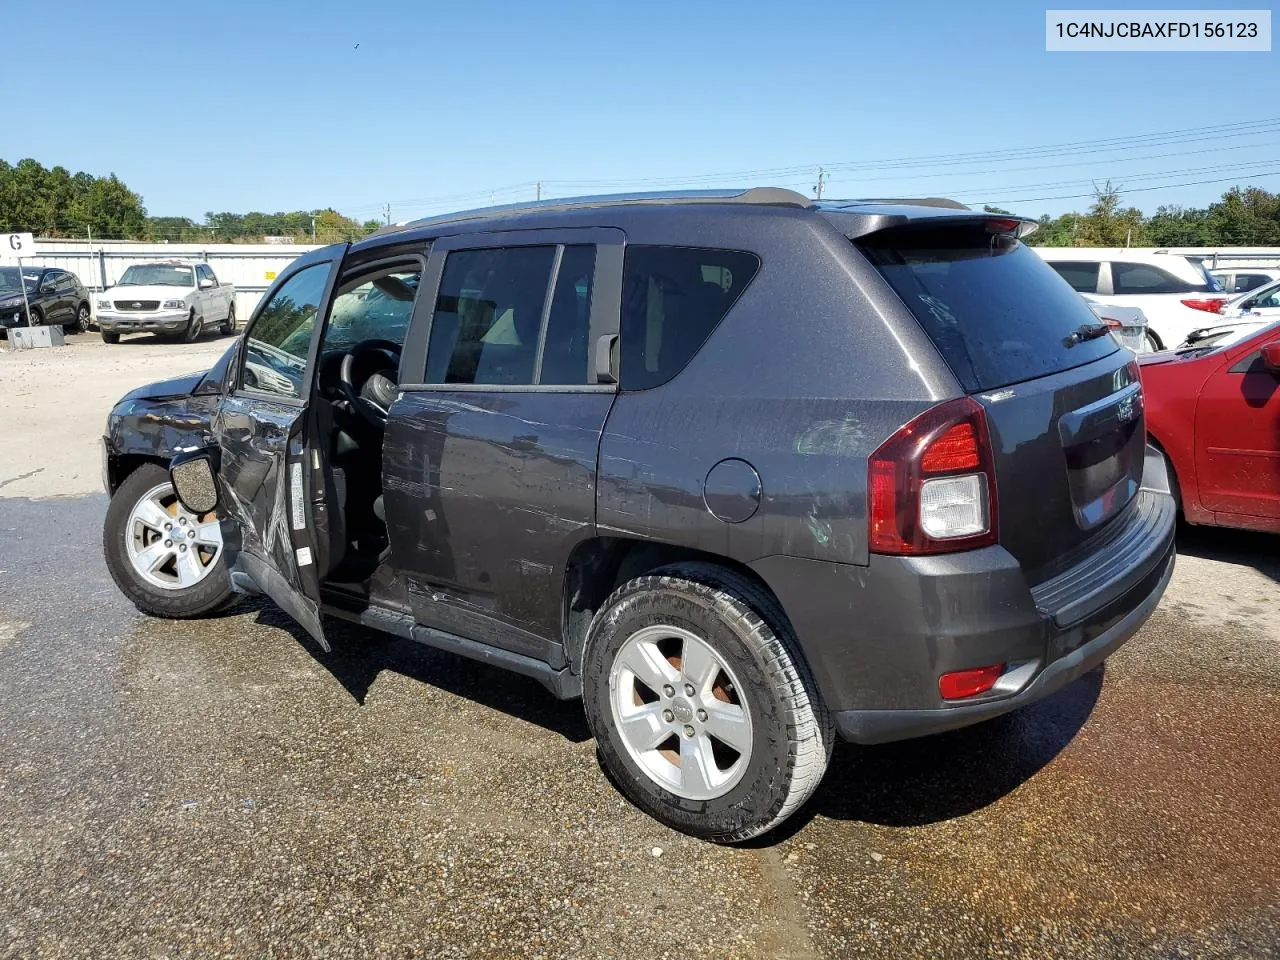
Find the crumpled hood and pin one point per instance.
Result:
(131, 293)
(166, 389)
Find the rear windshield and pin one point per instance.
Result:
(997, 313)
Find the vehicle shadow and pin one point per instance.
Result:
(1261, 551)
(949, 775)
(359, 654)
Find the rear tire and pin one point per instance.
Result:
(715, 624)
(206, 596)
(228, 327)
(81, 324)
(110, 337)
(1153, 341)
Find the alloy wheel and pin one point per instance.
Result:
(169, 546)
(680, 712)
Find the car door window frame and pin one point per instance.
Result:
(604, 317)
(334, 258)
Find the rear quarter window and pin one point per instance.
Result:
(1081, 274)
(997, 313)
(672, 298)
(1139, 278)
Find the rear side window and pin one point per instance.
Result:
(672, 298)
(997, 313)
(488, 315)
(1138, 278)
(1250, 281)
(1082, 275)
(566, 344)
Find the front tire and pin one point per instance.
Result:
(142, 539)
(228, 327)
(194, 326)
(110, 337)
(1153, 342)
(704, 714)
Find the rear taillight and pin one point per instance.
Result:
(1207, 304)
(932, 485)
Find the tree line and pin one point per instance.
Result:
(53, 202)
(1242, 217)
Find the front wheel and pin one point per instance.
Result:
(1153, 342)
(110, 337)
(164, 558)
(228, 327)
(704, 714)
(194, 326)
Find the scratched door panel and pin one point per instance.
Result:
(487, 494)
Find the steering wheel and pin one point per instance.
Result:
(369, 379)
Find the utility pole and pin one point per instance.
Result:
(539, 194)
(313, 228)
(388, 214)
(821, 184)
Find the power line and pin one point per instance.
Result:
(1162, 186)
(1213, 132)
(1216, 131)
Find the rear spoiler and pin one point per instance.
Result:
(861, 220)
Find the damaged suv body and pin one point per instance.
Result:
(741, 470)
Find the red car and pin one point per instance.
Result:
(1214, 411)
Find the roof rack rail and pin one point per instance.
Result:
(768, 196)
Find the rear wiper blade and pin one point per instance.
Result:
(1087, 331)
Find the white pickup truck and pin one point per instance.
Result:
(171, 297)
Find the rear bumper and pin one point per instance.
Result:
(877, 638)
(161, 321)
(883, 726)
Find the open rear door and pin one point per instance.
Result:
(267, 477)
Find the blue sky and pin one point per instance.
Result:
(271, 106)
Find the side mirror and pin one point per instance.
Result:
(206, 283)
(606, 358)
(1271, 357)
(194, 474)
(48, 288)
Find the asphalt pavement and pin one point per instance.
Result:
(223, 788)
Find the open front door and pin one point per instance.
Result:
(268, 479)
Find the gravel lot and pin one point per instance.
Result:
(225, 789)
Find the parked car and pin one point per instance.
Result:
(169, 297)
(1214, 412)
(1127, 324)
(1250, 311)
(694, 458)
(1235, 280)
(56, 297)
(1174, 292)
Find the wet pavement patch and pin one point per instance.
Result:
(223, 788)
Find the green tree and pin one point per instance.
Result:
(1174, 226)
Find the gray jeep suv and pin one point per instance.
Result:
(742, 470)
